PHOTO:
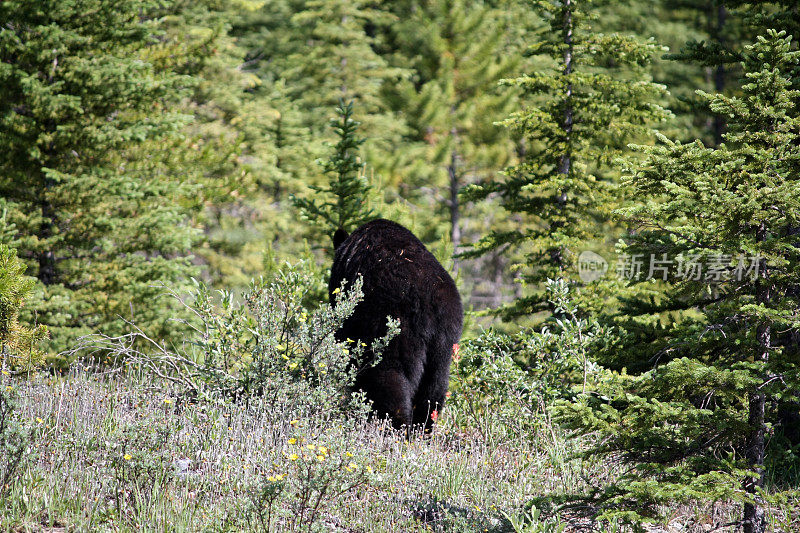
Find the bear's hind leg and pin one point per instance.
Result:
(390, 392)
(430, 396)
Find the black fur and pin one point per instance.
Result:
(404, 280)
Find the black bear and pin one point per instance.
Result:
(402, 279)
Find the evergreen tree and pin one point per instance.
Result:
(709, 58)
(720, 223)
(457, 52)
(97, 221)
(715, 52)
(584, 106)
(219, 150)
(308, 56)
(20, 345)
(342, 204)
(333, 56)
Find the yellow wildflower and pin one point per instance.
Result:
(127, 457)
(293, 457)
(292, 440)
(294, 422)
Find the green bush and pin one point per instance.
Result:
(271, 347)
(504, 382)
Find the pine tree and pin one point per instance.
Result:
(720, 222)
(591, 98)
(342, 204)
(715, 52)
(458, 53)
(324, 51)
(20, 345)
(97, 220)
(718, 31)
(308, 56)
(219, 150)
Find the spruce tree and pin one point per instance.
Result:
(591, 98)
(308, 56)
(97, 221)
(20, 344)
(719, 223)
(221, 149)
(458, 53)
(332, 55)
(711, 52)
(343, 203)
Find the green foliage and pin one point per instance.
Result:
(97, 220)
(215, 151)
(457, 51)
(20, 345)
(491, 385)
(141, 465)
(530, 522)
(272, 346)
(313, 475)
(342, 204)
(591, 98)
(695, 426)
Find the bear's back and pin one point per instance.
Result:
(401, 277)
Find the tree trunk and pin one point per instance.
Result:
(754, 519)
(455, 182)
(720, 75)
(565, 161)
(47, 258)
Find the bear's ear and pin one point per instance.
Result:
(339, 237)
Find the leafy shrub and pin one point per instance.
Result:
(140, 463)
(504, 381)
(311, 474)
(271, 347)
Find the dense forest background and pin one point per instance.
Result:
(151, 143)
(147, 147)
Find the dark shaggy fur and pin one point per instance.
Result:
(404, 280)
